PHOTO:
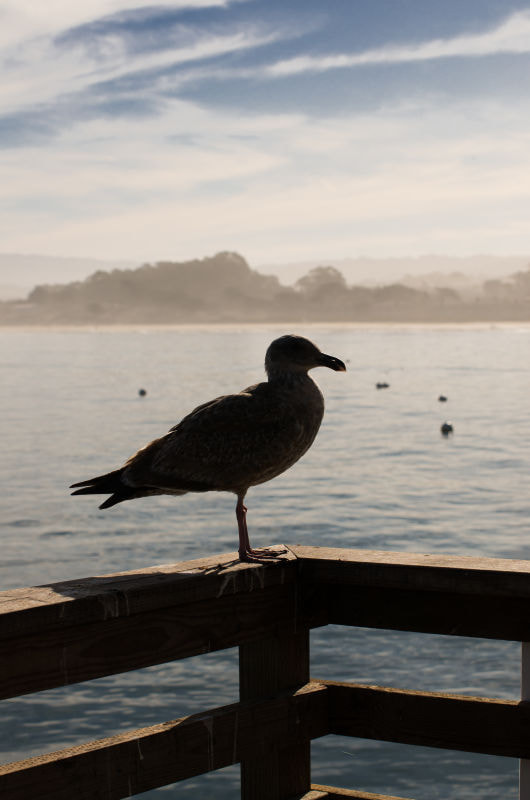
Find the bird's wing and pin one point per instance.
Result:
(220, 444)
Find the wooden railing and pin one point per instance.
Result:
(74, 631)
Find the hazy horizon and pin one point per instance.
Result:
(21, 272)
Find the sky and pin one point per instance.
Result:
(284, 131)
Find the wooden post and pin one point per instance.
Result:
(524, 763)
(267, 667)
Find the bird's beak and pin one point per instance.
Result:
(332, 363)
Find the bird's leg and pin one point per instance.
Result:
(246, 553)
(241, 516)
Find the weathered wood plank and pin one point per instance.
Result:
(455, 614)
(58, 657)
(34, 609)
(266, 667)
(449, 595)
(319, 792)
(140, 760)
(453, 722)
(458, 574)
(103, 626)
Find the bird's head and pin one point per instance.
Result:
(292, 353)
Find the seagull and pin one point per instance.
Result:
(232, 442)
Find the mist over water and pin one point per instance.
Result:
(379, 476)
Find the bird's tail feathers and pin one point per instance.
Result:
(101, 484)
(116, 498)
(110, 483)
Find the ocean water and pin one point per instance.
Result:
(379, 476)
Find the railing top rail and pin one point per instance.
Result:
(29, 610)
(122, 594)
(424, 570)
(465, 574)
(411, 559)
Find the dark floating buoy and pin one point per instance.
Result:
(446, 429)
(142, 392)
(382, 385)
(442, 399)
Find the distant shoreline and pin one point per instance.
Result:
(224, 290)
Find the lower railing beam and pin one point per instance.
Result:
(266, 667)
(135, 762)
(430, 719)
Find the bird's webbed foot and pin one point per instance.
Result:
(263, 554)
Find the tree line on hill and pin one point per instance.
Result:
(223, 288)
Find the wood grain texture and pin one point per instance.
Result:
(461, 596)
(36, 609)
(135, 762)
(459, 574)
(86, 629)
(319, 792)
(79, 630)
(453, 722)
(451, 613)
(123, 594)
(82, 652)
(267, 667)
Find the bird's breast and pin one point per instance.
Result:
(297, 418)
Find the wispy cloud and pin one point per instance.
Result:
(511, 36)
(127, 145)
(261, 184)
(21, 20)
(43, 72)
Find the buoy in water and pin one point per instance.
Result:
(142, 392)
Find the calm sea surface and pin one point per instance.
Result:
(379, 476)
